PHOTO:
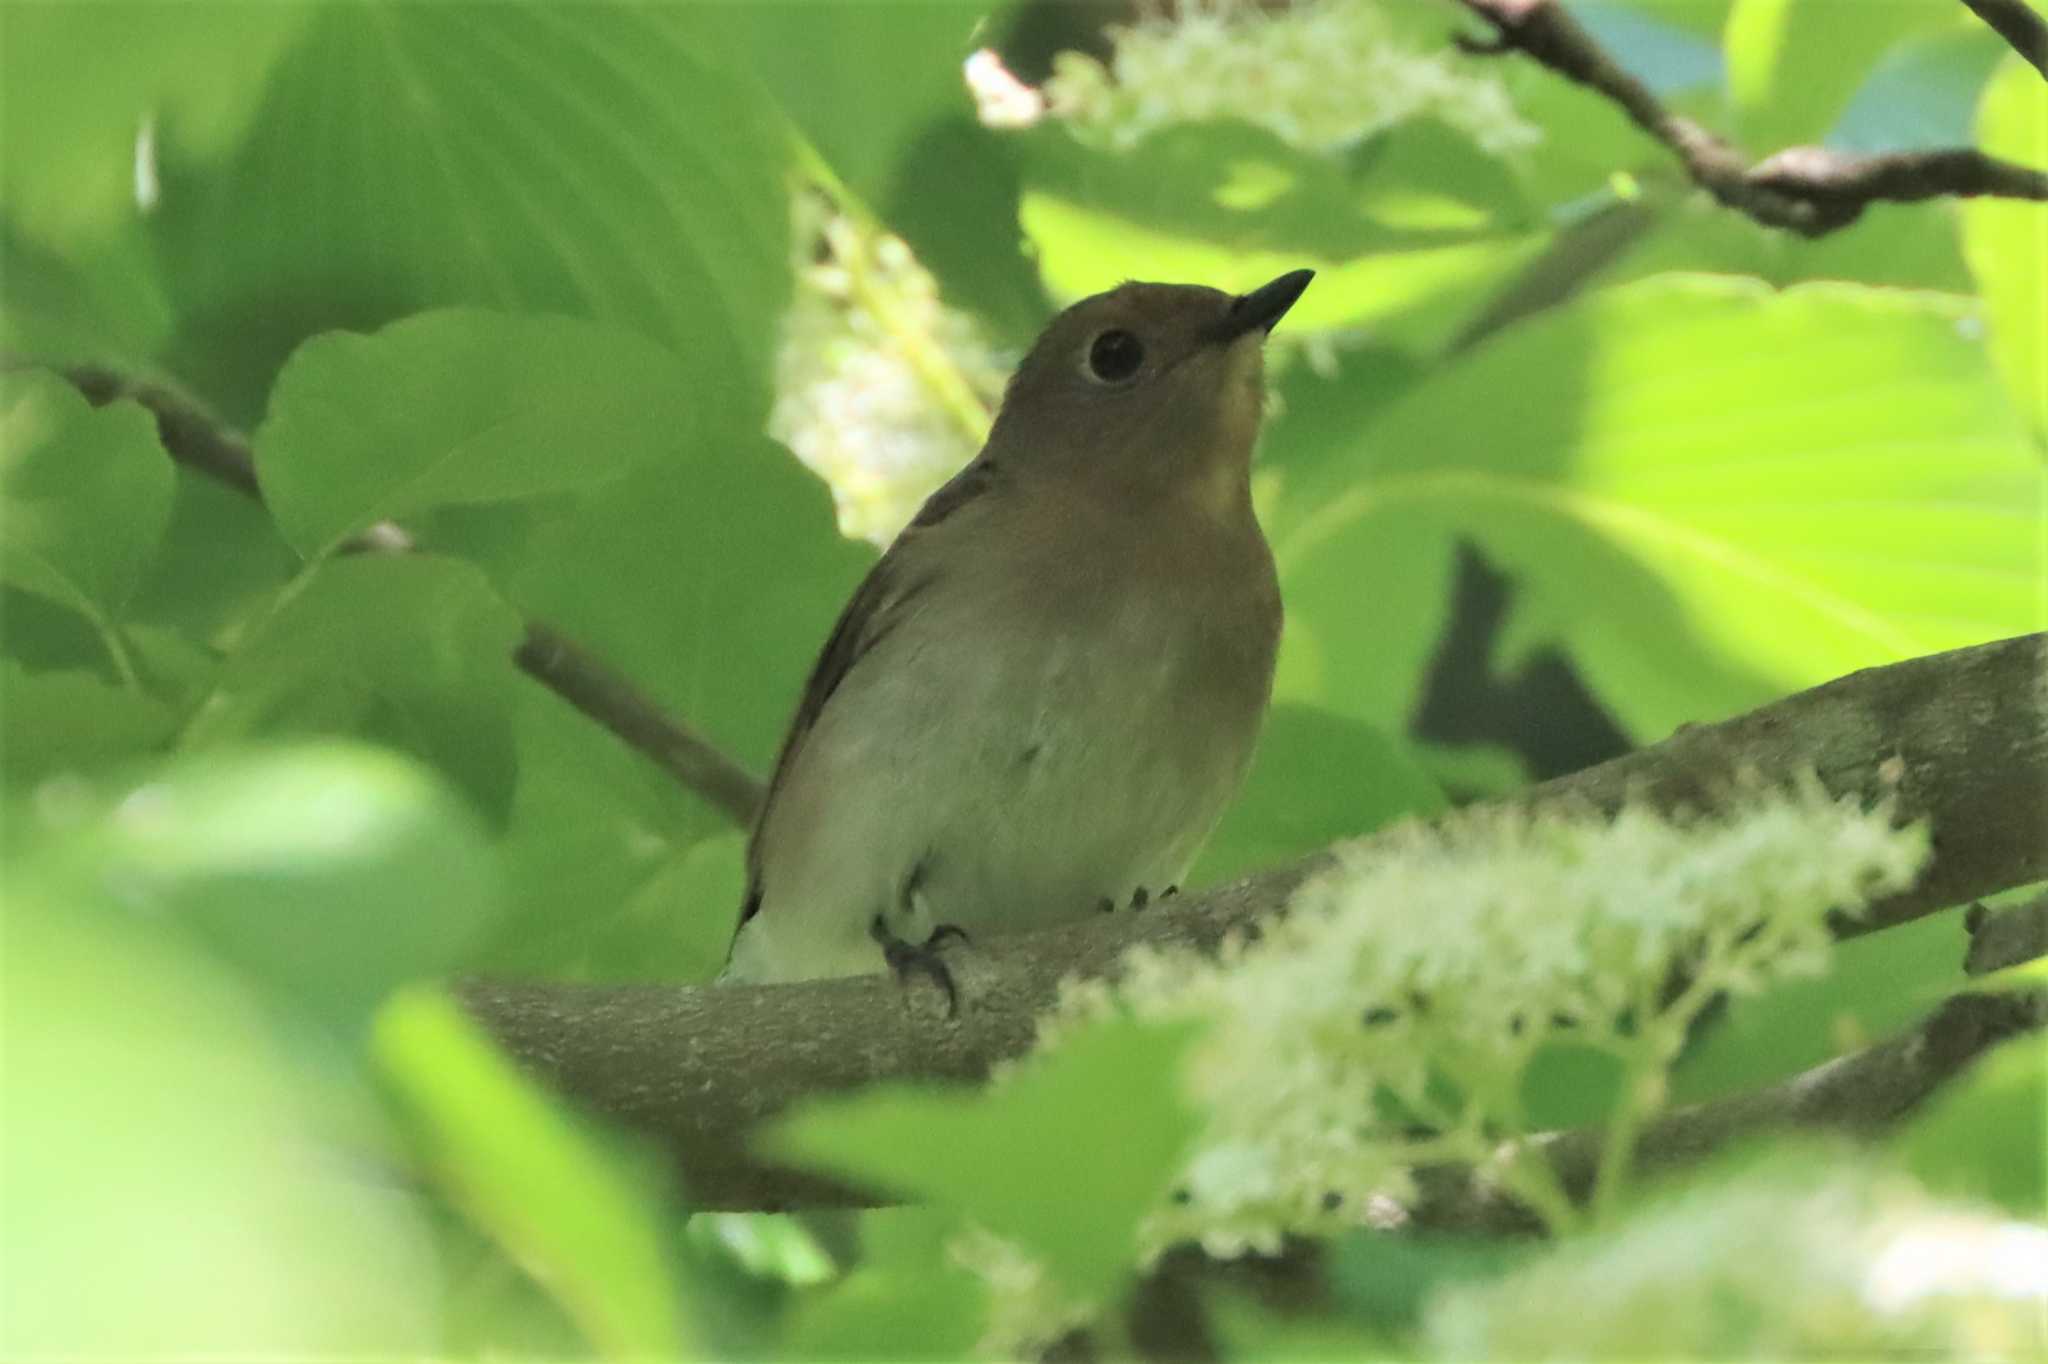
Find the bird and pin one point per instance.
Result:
(1039, 701)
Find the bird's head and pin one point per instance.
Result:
(1153, 387)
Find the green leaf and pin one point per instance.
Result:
(460, 406)
(904, 1299)
(596, 160)
(1386, 1278)
(710, 580)
(821, 62)
(1985, 1134)
(1702, 524)
(1793, 64)
(87, 491)
(101, 76)
(177, 1185)
(583, 1225)
(64, 721)
(1316, 777)
(2003, 239)
(1064, 1157)
(1406, 243)
(412, 651)
(1876, 985)
(329, 874)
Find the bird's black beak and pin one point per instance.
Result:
(1265, 305)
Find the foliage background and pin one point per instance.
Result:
(533, 279)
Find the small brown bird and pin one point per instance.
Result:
(1040, 700)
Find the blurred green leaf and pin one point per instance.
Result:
(1985, 1134)
(1702, 524)
(1793, 64)
(2003, 239)
(87, 490)
(459, 406)
(1386, 1277)
(64, 721)
(904, 1299)
(583, 1225)
(1064, 1157)
(413, 651)
(1316, 777)
(1876, 985)
(174, 1183)
(598, 160)
(103, 77)
(328, 874)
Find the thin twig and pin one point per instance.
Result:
(198, 441)
(2017, 23)
(1809, 190)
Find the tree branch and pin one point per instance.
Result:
(550, 657)
(1809, 190)
(1959, 739)
(2017, 23)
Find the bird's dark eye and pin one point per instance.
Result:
(1115, 356)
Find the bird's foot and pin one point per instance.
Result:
(907, 959)
(1140, 897)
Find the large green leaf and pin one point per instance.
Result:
(584, 1225)
(101, 77)
(2006, 240)
(1793, 64)
(413, 651)
(1711, 493)
(460, 406)
(822, 62)
(87, 493)
(595, 160)
(1046, 1159)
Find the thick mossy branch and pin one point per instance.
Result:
(1959, 739)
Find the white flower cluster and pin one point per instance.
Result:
(865, 342)
(1321, 75)
(1407, 987)
(1814, 1257)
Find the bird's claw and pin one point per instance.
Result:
(906, 959)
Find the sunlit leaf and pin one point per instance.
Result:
(2006, 240)
(1703, 524)
(1793, 64)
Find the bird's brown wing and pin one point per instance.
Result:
(877, 607)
